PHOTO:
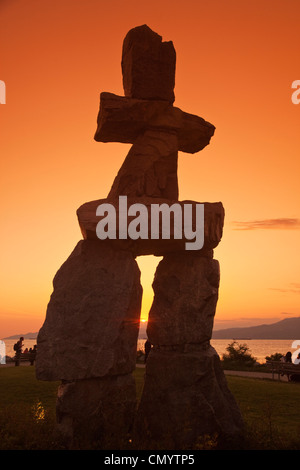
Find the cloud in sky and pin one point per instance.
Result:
(283, 223)
(294, 288)
(244, 321)
(289, 314)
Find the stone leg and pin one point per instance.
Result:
(185, 288)
(185, 397)
(96, 413)
(89, 337)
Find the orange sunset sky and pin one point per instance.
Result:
(236, 62)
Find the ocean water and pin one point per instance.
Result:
(259, 348)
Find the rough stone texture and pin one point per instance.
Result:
(185, 396)
(185, 298)
(89, 337)
(213, 226)
(122, 119)
(96, 412)
(185, 400)
(150, 168)
(148, 65)
(92, 319)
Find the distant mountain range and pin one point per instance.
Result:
(289, 328)
(284, 329)
(142, 333)
(25, 336)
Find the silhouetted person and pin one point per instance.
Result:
(288, 357)
(19, 346)
(297, 360)
(32, 354)
(147, 349)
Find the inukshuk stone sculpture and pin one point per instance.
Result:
(89, 337)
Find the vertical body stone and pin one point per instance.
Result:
(185, 395)
(89, 342)
(150, 168)
(185, 297)
(92, 319)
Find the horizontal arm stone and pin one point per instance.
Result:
(213, 227)
(123, 119)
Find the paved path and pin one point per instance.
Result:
(242, 373)
(256, 375)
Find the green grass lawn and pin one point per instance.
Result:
(270, 410)
(27, 410)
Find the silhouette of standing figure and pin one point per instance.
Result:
(147, 349)
(19, 350)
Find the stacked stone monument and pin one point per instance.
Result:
(89, 337)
